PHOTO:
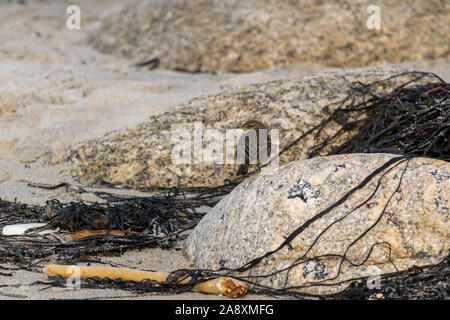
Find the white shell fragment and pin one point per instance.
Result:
(19, 229)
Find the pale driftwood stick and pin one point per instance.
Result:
(88, 233)
(225, 286)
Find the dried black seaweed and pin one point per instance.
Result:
(413, 119)
(147, 222)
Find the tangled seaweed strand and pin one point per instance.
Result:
(157, 221)
(424, 283)
(411, 120)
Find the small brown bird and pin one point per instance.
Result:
(252, 152)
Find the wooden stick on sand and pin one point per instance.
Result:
(87, 233)
(225, 286)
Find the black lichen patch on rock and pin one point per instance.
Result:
(316, 269)
(303, 190)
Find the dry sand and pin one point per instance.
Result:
(55, 91)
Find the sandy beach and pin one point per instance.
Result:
(57, 92)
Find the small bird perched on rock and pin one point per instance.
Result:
(252, 151)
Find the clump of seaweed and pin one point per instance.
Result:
(417, 283)
(157, 221)
(413, 119)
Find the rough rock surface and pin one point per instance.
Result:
(242, 36)
(141, 156)
(258, 215)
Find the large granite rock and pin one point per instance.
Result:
(242, 36)
(142, 155)
(407, 218)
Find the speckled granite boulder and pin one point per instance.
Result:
(142, 156)
(242, 36)
(258, 215)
